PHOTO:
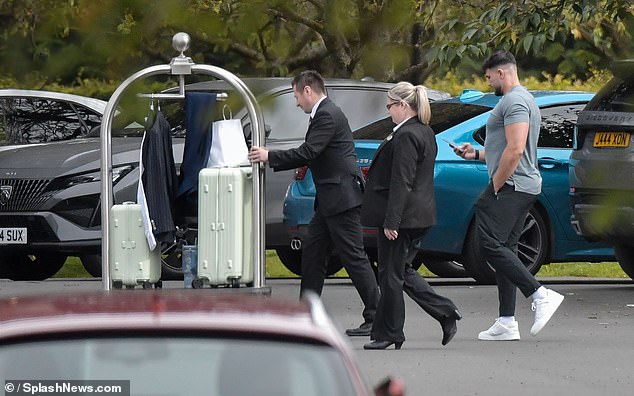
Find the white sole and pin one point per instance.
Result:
(535, 330)
(507, 338)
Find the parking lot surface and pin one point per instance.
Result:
(586, 349)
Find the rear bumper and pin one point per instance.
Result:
(612, 224)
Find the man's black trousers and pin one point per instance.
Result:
(500, 219)
(341, 232)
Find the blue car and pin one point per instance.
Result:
(451, 248)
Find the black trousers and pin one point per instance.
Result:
(499, 220)
(396, 275)
(341, 232)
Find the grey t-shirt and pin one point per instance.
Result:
(518, 105)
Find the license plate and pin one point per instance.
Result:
(612, 139)
(9, 236)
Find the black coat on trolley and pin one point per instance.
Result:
(159, 179)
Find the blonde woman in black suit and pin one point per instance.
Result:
(399, 200)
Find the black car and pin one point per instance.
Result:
(50, 186)
(602, 167)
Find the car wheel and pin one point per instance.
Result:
(625, 256)
(29, 267)
(532, 249)
(292, 259)
(441, 268)
(171, 262)
(92, 264)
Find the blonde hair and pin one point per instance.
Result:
(414, 96)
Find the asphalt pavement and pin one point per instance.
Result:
(586, 349)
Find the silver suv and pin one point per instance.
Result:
(602, 167)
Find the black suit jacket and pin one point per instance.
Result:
(159, 179)
(328, 150)
(399, 191)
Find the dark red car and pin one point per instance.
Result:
(178, 342)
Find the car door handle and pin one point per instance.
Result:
(549, 163)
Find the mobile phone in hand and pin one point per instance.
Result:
(452, 145)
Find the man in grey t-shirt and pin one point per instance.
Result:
(510, 152)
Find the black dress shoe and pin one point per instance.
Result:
(375, 345)
(364, 330)
(449, 327)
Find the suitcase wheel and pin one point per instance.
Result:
(197, 283)
(235, 282)
(158, 284)
(146, 285)
(129, 286)
(117, 284)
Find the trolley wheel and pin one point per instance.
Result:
(158, 284)
(146, 285)
(117, 284)
(197, 283)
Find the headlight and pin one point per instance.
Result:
(117, 174)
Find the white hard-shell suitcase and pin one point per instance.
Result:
(132, 262)
(225, 227)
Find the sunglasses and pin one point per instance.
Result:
(389, 105)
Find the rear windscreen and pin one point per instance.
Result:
(616, 96)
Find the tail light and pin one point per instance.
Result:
(364, 172)
(300, 173)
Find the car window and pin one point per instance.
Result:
(616, 96)
(557, 126)
(361, 106)
(196, 366)
(36, 120)
(285, 119)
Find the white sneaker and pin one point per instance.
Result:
(500, 332)
(544, 309)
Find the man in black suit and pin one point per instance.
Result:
(328, 150)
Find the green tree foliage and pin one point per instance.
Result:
(91, 46)
(561, 36)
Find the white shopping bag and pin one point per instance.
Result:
(228, 147)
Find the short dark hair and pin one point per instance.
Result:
(498, 58)
(309, 78)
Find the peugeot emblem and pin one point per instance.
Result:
(5, 194)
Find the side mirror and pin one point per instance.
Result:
(390, 387)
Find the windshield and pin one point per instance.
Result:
(184, 366)
(444, 115)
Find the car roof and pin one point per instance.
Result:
(97, 105)
(265, 85)
(170, 309)
(262, 86)
(542, 97)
